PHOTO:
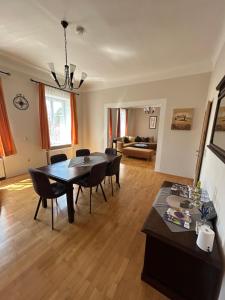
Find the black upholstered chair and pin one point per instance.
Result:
(45, 189)
(83, 152)
(95, 178)
(110, 151)
(57, 158)
(113, 169)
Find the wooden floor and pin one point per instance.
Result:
(100, 256)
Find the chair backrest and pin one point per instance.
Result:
(114, 167)
(83, 152)
(57, 158)
(110, 151)
(41, 184)
(97, 174)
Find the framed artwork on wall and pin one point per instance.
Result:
(152, 122)
(217, 141)
(182, 118)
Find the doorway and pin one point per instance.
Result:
(158, 103)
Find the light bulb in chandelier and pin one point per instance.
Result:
(83, 77)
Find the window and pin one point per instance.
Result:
(59, 117)
(122, 122)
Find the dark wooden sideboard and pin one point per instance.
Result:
(174, 265)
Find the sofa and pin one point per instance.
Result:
(130, 141)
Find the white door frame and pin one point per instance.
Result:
(141, 103)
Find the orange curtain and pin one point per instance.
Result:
(74, 123)
(118, 123)
(126, 125)
(110, 124)
(45, 138)
(7, 146)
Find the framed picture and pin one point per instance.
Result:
(182, 118)
(220, 122)
(152, 122)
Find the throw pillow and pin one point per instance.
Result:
(138, 139)
(126, 140)
(146, 140)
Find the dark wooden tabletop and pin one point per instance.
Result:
(63, 173)
(155, 226)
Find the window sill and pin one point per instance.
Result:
(60, 147)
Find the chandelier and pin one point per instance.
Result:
(149, 110)
(68, 69)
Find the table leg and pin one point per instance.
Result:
(70, 207)
(44, 203)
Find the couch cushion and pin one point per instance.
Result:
(132, 139)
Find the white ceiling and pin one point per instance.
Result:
(126, 40)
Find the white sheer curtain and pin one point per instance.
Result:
(59, 116)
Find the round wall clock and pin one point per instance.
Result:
(20, 102)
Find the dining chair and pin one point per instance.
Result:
(110, 151)
(113, 169)
(46, 190)
(83, 152)
(97, 174)
(57, 158)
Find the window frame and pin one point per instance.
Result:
(55, 147)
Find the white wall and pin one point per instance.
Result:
(25, 124)
(213, 169)
(178, 146)
(141, 121)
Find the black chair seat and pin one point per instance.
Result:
(58, 189)
(45, 189)
(95, 178)
(113, 169)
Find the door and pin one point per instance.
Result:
(200, 151)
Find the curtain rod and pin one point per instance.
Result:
(52, 86)
(5, 73)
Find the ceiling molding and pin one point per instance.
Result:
(194, 69)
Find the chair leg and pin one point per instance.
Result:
(78, 193)
(56, 202)
(52, 215)
(81, 189)
(90, 198)
(112, 185)
(96, 188)
(103, 192)
(104, 180)
(37, 209)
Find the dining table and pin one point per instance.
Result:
(69, 171)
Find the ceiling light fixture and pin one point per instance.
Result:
(149, 110)
(68, 69)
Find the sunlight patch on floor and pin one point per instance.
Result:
(18, 186)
